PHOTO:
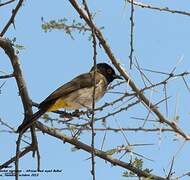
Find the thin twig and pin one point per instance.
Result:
(187, 86)
(5, 3)
(143, 76)
(116, 112)
(165, 95)
(131, 34)
(164, 9)
(138, 129)
(18, 142)
(7, 76)
(104, 139)
(38, 158)
(123, 72)
(2, 85)
(9, 50)
(94, 91)
(99, 153)
(22, 153)
(8, 126)
(170, 173)
(11, 20)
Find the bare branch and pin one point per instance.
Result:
(22, 153)
(164, 9)
(7, 125)
(7, 76)
(11, 20)
(123, 72)
(131, 34)
(9, 50)
(94, 91)
(99, 153)
(86, 128)
(7, 2)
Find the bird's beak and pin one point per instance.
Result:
(117, 77)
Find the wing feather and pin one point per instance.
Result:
(82, 81)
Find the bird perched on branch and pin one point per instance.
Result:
(76, 94)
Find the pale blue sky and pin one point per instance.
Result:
(53, 58)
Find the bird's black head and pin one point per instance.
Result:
(107, 71)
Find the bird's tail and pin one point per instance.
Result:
(26, 124)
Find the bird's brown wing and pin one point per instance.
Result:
(81, 81)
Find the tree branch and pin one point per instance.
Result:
(11, 20)
(117, 65)
(5, 3)
(99, 153)
(93, 171)
(164, 9)
(13, 159)
(9, 50)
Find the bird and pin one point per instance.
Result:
(75, 94)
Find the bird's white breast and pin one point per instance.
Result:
(83, 98)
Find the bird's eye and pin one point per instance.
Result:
(109, 71)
